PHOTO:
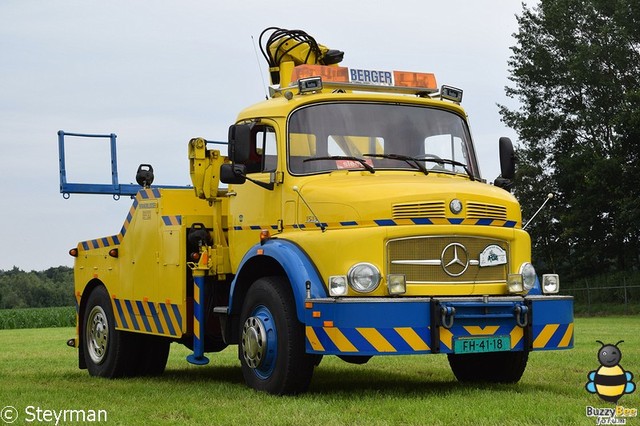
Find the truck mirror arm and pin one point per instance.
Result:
(503, 183)
(237, 174)
(264, 185)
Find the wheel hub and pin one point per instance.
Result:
(254, 342)
(97, 334)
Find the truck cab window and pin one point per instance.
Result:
(264, 155)
(321, 136)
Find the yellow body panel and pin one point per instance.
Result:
(150, 270)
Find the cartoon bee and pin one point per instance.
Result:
(610, 381)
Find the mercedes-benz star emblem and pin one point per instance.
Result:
(454, 259)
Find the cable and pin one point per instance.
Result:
(279, 35)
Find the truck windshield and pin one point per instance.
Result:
(333, 136)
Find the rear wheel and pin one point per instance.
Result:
(491, 367)
(272, 340)
(107, 351)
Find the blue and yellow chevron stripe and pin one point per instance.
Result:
(552, 336)
(145, 316)
(368, 340)
(387, 222)
(417, 340)
(114, 240)
(379, 326)
(172, 220)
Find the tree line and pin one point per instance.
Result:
(36, 289)
(575, 72)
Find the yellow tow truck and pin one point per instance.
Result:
(354, 222)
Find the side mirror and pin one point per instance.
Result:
(507, 159)
(233, 173)
(240, 142)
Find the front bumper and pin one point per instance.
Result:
(422, 325)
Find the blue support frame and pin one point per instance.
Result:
(115, 188)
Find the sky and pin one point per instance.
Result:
(158, 73)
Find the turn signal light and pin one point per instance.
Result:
(113, 252)
(265, 236)
(73, 252)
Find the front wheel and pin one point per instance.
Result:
(272, 340)
(491, 367)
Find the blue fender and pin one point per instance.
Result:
(296, 264)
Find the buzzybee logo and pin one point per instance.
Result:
(610, 381)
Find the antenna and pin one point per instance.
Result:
(320, 224)
(255, 50)
(549, 196)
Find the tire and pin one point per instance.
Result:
(153, 352)
(492, 367)
(107, 352)
(272, 340)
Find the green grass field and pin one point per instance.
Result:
(37, 369)
(64, 316)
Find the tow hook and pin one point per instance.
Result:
(522, 315)
(448, 312)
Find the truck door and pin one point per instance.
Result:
(254, 208)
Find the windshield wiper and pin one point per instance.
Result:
(447, 161)
(413, 161)
(409, 160)
(344, 157)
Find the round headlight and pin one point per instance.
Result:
(528, 273)
(364, 277)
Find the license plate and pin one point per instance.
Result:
(471, 345)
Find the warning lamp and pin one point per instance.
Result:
(73, 252)
(113, 252)
(195, 256)
(265, 236)
(415, 79)
(324, 73)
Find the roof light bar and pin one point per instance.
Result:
(327, 73)
(362, 79)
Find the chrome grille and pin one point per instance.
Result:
(418, 258)
(419, 210)
(486, 211)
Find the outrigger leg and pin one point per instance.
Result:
(197, 357)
